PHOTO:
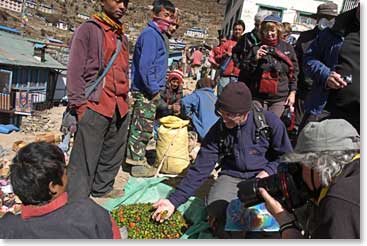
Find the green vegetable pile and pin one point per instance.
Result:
(137, 218)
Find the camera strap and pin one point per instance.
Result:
(223, 149)
(262, 128)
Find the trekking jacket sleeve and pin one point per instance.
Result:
(147, 69)
(77, 63)
(280, 143)
(200, 171)
(312, 60)
(189, 104)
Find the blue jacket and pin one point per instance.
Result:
(319, 61)
(200, 108)
(150, 61)
(248, 158)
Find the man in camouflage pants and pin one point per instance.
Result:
(148, 72)
(141, 128)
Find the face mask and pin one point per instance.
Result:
(325, 23)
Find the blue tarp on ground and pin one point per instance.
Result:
(6, 129)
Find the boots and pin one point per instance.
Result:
(143, 171)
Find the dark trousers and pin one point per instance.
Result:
(223, 191)
(300, 110)
(97, 154)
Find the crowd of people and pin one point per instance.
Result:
(243, 90)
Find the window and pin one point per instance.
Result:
(274, 10)
(305, 18)
(5, 80)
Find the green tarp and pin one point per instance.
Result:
(150, 190)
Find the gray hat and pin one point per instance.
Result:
(328, 8)
(327, 135)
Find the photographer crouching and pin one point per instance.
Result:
(329, 157)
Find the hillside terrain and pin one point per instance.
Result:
(205, 14)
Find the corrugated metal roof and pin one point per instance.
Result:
(55, 40)
(16, 50)
(9, 29)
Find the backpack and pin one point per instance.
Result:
(262, 129)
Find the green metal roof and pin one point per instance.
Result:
(16, 50)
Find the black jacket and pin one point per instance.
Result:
(78, 220)
(339, 212)
(243, 47)
(345, 103)
(304, 83)
(252, 70)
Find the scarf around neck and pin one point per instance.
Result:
(162, 23)
(102, 17)
(270, 42)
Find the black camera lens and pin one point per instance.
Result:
(287, 187)
(248, 190)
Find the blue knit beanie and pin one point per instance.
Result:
(272, 18)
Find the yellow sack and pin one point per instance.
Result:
(172, 145)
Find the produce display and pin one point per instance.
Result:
(137, 218)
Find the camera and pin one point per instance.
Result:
(287, 186)
(348, 79)
(270, 50)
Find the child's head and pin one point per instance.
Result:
(38, 173)
(205, 82)
(175, 79)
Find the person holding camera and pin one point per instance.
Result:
(241, 150)
(332, 61)
(329, 154)
(270, 69)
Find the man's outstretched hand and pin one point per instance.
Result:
(161, 206)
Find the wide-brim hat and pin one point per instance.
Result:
(328, 9)
(327, 135)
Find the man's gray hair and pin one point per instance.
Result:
(328, 164)
(260, 15)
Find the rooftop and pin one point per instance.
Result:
(16, 50)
